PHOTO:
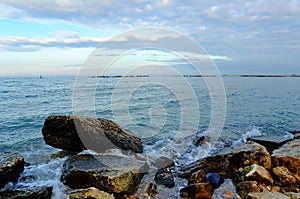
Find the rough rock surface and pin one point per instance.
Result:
(284, 175)
(76, 133)
(226, 190)
(271, 142)
(30, 193)
(112, 174)
(227, 161)
(245, 187)
(198, 190)
(164, 177)
(257, 173)
(197, 177)
(11, 166)
(268, 195)
(90, 193)
(288, 156)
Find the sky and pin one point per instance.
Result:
(57, 37)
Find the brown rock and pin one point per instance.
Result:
(284, 175)
(197, 177)
(245, 187)
(257, 173)
(227, 161)
(11, 166)
(271, 142)
(76, 133)
(268, 195)
(29, 193)
(90, 193)
(288, 156)
(198, 190)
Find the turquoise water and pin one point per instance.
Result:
(267, 105)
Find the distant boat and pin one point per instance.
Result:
(41, 77)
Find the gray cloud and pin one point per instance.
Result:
(241, 30)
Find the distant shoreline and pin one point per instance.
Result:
(225, 75)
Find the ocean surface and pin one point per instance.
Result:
(255, 106)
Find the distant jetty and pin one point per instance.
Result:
(225, 75)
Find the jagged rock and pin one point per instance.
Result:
(288, 156)
(227, 161)
(76, 133)
(257, 173)
(267, 195)
(245, 187)
(11, 166)
(29, 193)
(198, 190)
(112, 174)
(197, 177)
(271, 142)
(226, 190)
(284, 175)
(164, 177)
(90, 193)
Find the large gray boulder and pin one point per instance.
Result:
(112, 174)
(76, 133)
(11, 166)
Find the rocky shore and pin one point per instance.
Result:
(261, 168)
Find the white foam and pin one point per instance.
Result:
(254, 132)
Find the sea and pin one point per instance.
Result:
(156, 111)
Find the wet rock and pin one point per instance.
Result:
(197, 177)
(29, 193)
(267, 195)
(76, 133)
(165, 177)
(214, 179)
(284, 175)
(271, 142)
(226, 190)
(198, 190)
(288, 156)
(112, 174)
(90, 193)
(245, 187)
(11, 166)
(152, 190)
(227, 161)
(257, 173)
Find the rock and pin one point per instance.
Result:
(164, 177)
(90, 193)
(288, 156)
(245, 187)
(267, 195)
(76, 133)
(122, 176)
(152, 190)
(284, 175)
(11, 166)
(271, 142)
(34, 192)
(198, 190)
(226, 190)
(214, 179)
(257, 173)
(227, 161)
(292, 195)
(197, 177)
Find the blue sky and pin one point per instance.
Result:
(56, 37)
